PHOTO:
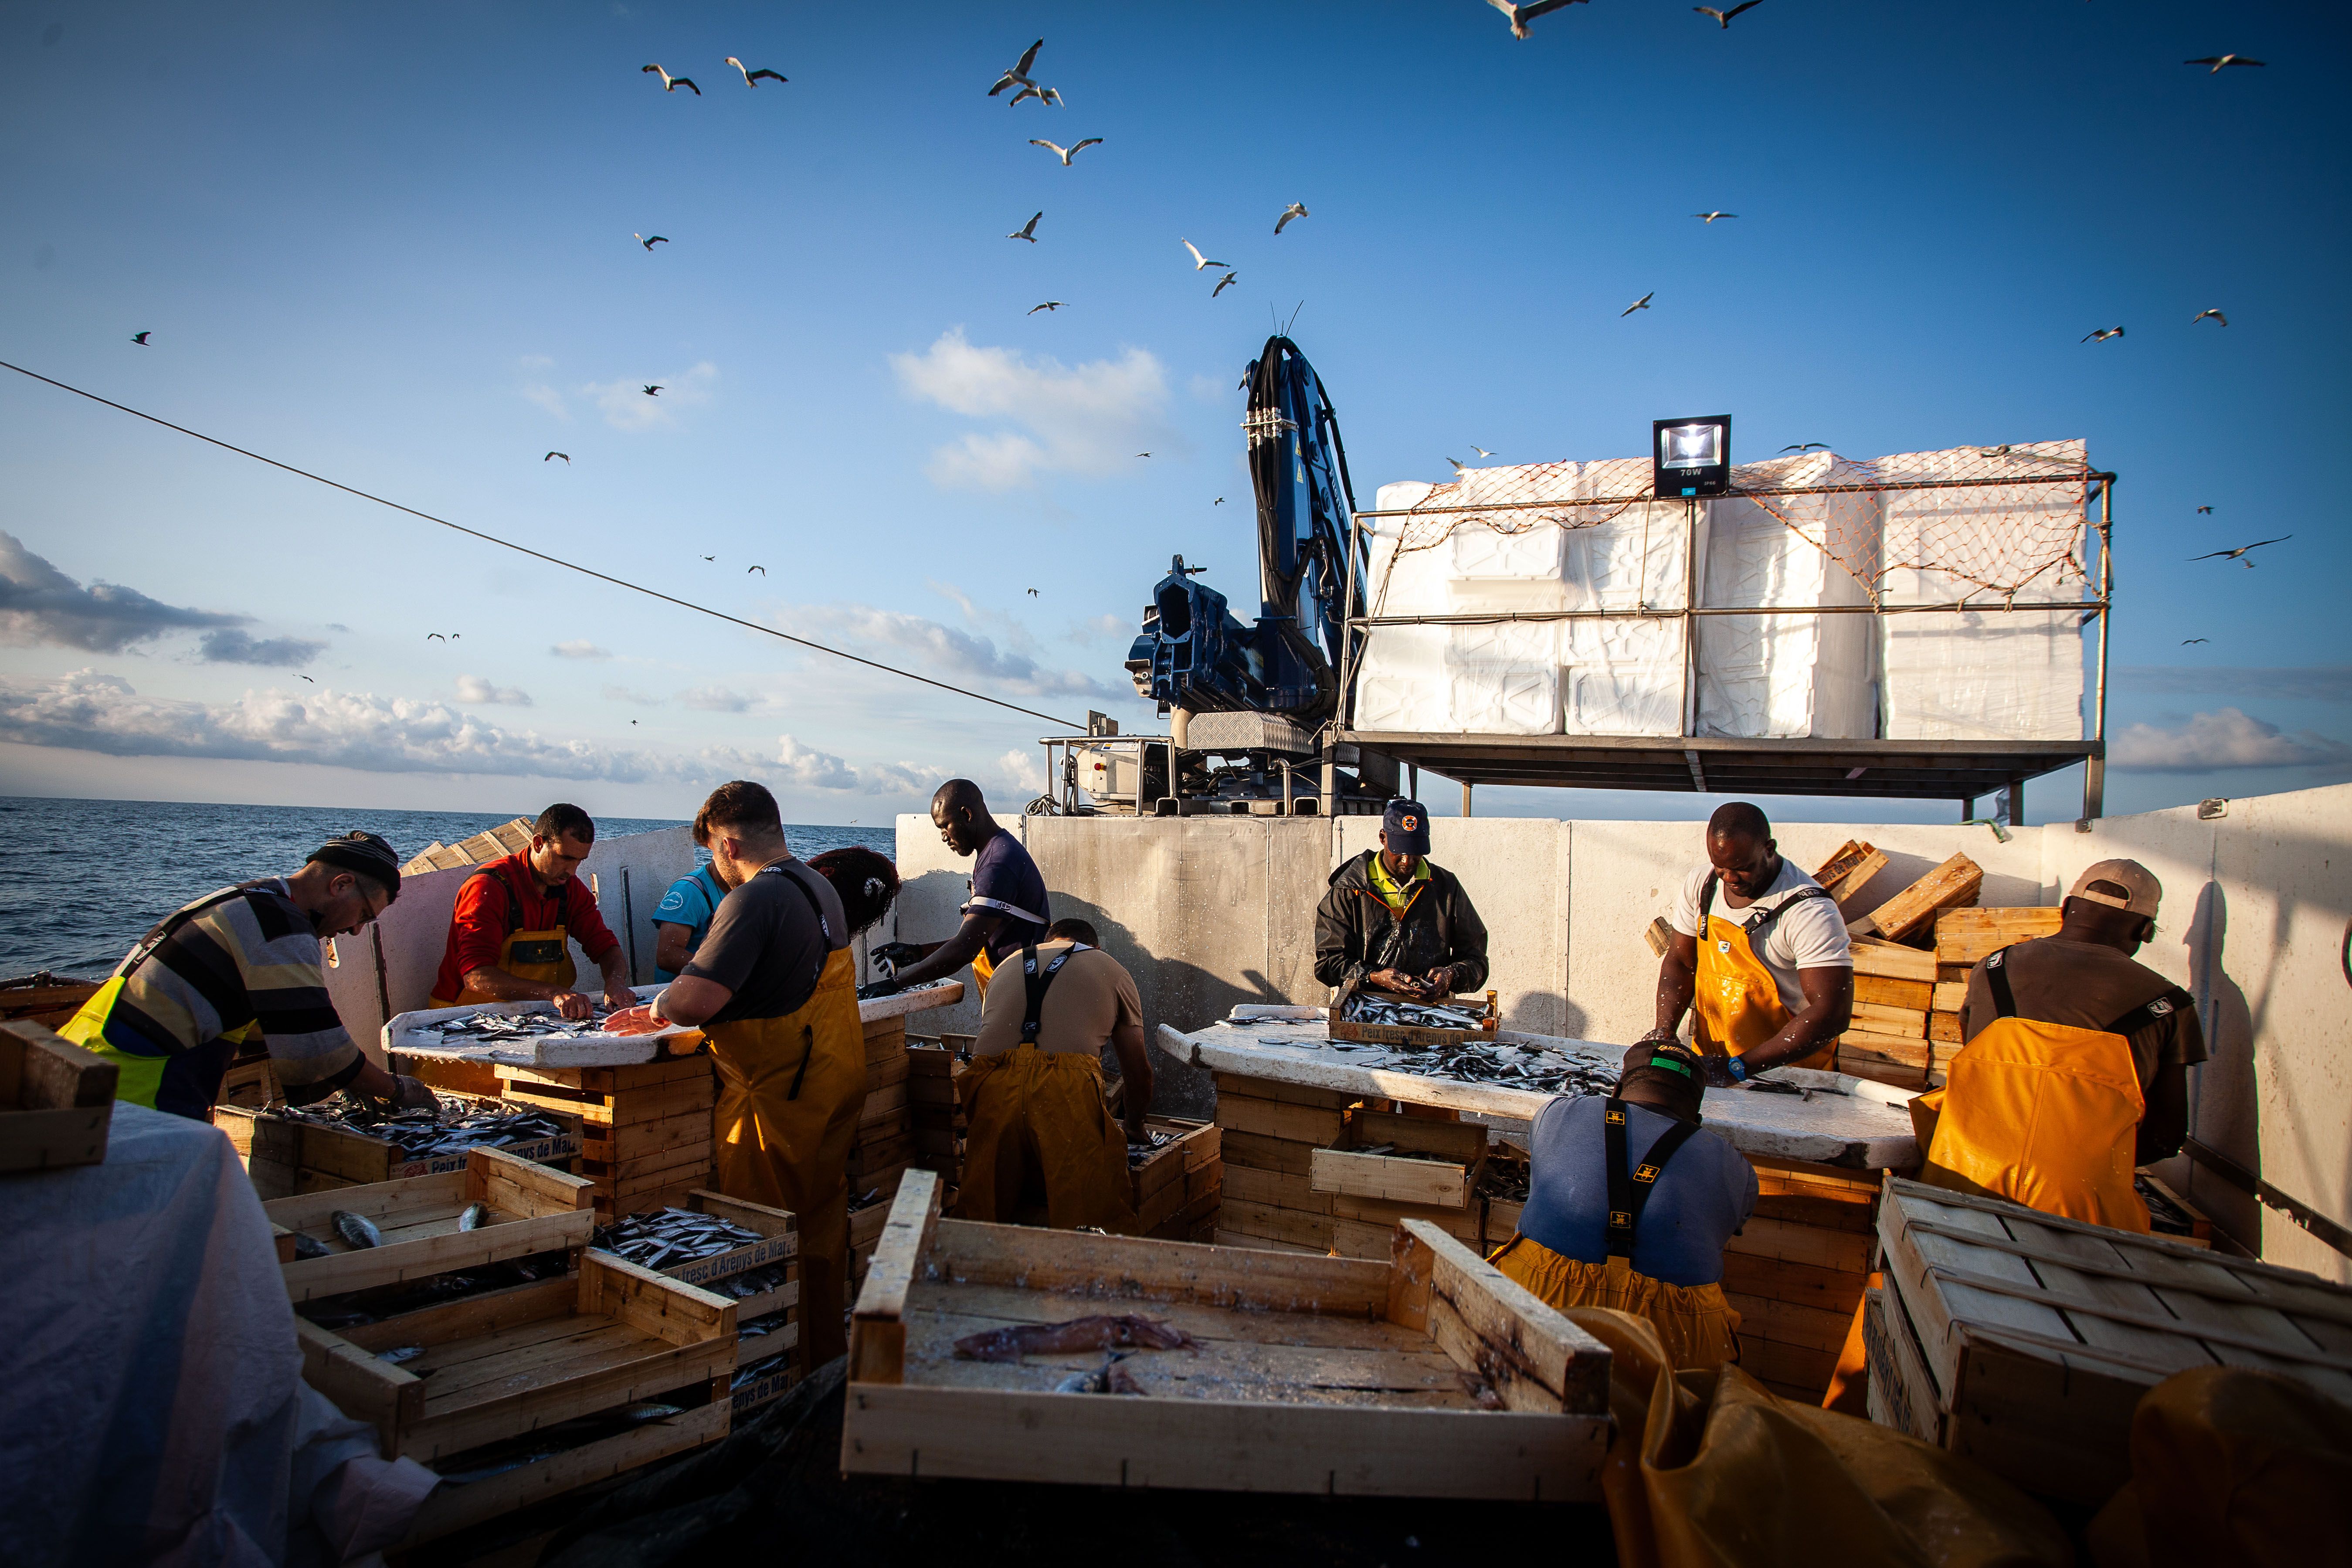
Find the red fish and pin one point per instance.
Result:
(1126, 1331)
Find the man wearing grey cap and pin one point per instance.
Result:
(1398, 923)
(2076, 1065)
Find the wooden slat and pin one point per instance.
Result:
(1288, 1093)
(878, 1325)
(1954, 882)
(1892, 960)
(1523, 1340)
(311, 1278)
(1792, 1243)
(1971, 936)
(1288, 1156)
(1878, 990)
(361, 1385)
(1906, 1023)
(1114, 1267)
(50, 1074)
(1308, 1124)
(654, 1303)
(450, 1508)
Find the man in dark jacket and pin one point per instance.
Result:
(1403, 925)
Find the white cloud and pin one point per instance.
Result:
(625, 694)
(1089, 419)
(547, 397)
(2226, 738)
(626, 407)
(583, 649)
(810, 768)
(475, 688)
(1024, 768)
(40, 605)
(93, 712)
(717, 699)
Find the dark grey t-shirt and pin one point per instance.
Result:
(765, 943)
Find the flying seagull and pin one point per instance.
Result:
(2218, 61)
(1294, 210)
(1219, 501)
(1723, 18)
(1044, 95)
(1227, 281)
(752, 77)
(1480, 450)
(313, 682)
(762, 571)
(1640, 304)
(552, 456)
(434, 636)
(1055, 147)
(1027, 231)
(1200, 261)
(1710, 217)
(1143, 454)
(2185, 642)
(1033, 593)
(650, 242)
(1048, 305)
(1528, 11)
(710, 558)
(2215, 314)
(1019, 75)
(2240, 550)
(653, 392)
(1459, 472)
(2102, 334)
(2205, 510)
(672, 83)
(1806, 447)
(140, 338)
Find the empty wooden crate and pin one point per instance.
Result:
(2024, 1340)
(1426, 1376)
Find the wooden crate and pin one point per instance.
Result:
(1338, 1376)
(449, 1509)
(1967, 937)
(1892, 960)
(1798, 1268)
(57, 1099)
(533, 1209)
(1167, 1186)
(2038, 1335)
(645, 1129)
(1446, 1183)
(1846, 873)
(1948, 886)
(780, 1244)
(350, 1156)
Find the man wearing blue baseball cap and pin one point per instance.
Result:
(1401, 924)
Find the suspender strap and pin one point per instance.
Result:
(1629, 1185)
(2151, 1010)
(1034, 986)
(823, 926)
(1763, 923)
(172, 923)
(2004, 1000)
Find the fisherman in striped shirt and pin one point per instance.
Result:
(241, 962)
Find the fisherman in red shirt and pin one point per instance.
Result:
(510, 934)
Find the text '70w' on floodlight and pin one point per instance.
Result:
(1691, 456)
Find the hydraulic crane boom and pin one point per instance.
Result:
(1193, 652)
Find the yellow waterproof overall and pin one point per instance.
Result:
(789, 1091)
(1038, 1121)
(981, 968)
(1736, 1003)
(1694, 1322)
(543, 957)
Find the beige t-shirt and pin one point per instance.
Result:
(1090, 997)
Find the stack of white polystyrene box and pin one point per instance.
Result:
(1995, 674)
(1622, 675)
(1402, 686)
(1788, 675)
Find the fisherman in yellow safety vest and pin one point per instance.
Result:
(240, 965)
(1630, 1203)
(1042, 1146)
(1759, 957)
(772, 990)
(1008, 908)
(2075, 1072)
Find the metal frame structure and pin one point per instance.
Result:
(1962, 771)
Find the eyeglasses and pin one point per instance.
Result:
(367, 901)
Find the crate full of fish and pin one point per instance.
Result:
(745, 1251)
(348, 1140)
(1386, 1019)
(531, 1034)
(384, 1233)
(1175, 1176)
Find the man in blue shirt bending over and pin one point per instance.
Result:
(1006, 912)
(1630, 1205)
(683, 919)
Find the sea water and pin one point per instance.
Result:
(83, 880)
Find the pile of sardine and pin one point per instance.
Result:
(765, 1324)
(746, 1377)
(1153, 1142)
(1506, 1066)
(665, 1237)
(453, 1126)
(873, 988)
(748, 1284)
(1372, 1007)
(507, 1028)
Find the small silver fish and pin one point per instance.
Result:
(307, 1246)
(400, 1354)
(355, 1228)
(476, 1216)
(638, 1414)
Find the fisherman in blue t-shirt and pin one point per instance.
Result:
(683, 919)
(1008, 908)
(1630, 1203)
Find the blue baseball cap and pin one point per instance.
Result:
(1407, 827)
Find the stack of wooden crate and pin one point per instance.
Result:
(2025, 1341)
(1797, 1270)
(285, 1155)
(1179, 1186)
(1268, 1133)
(492, 1376)
(1964, 939)
(1894, 988)
(506, 839)
(645, 1134)
(760, 1375)
(935, 1074)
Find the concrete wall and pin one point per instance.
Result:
(1207, 911)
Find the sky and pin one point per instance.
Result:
(399, 246)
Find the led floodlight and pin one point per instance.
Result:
(1691, 456)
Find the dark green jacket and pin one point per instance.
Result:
(1353, 926)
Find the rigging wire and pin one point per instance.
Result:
(538, 556)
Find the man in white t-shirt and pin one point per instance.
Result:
(1759, 955)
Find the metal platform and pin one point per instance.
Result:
(1907, 769)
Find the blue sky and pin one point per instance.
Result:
(394, 244)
